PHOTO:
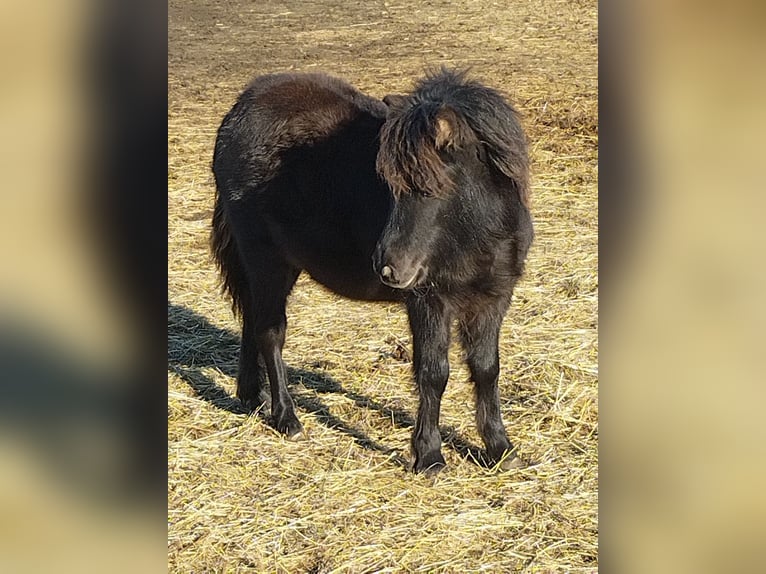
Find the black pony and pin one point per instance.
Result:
(420, 198)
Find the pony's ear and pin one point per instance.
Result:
(450, 131)
(394, 100)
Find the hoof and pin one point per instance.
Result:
(512, 462)
(254, 403)
(297, 437)
(290, 427)
(430, 465)
(509, 461)
(253, 406)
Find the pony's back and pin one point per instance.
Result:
(279, 112)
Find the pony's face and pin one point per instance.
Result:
(419, 160)
(454, 157)
(404, 250)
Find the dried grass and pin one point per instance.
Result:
(243, 499)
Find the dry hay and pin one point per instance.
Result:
(240, 497)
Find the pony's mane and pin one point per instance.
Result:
(448, 110)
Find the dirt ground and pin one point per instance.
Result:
(240, 497)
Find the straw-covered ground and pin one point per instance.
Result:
(243, 499)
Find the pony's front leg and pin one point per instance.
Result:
(480, 335)
(430, 326)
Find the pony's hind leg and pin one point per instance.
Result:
(271, 280)
(252, 374)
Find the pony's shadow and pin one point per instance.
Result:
(194, 343)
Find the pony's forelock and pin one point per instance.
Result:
(448, 110)
(408, 158)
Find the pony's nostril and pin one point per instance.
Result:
(386, 272)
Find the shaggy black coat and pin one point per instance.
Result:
(420, 198)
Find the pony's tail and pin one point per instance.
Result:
(228, 260)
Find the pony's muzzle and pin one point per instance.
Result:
(402, 275)
(393, 278)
